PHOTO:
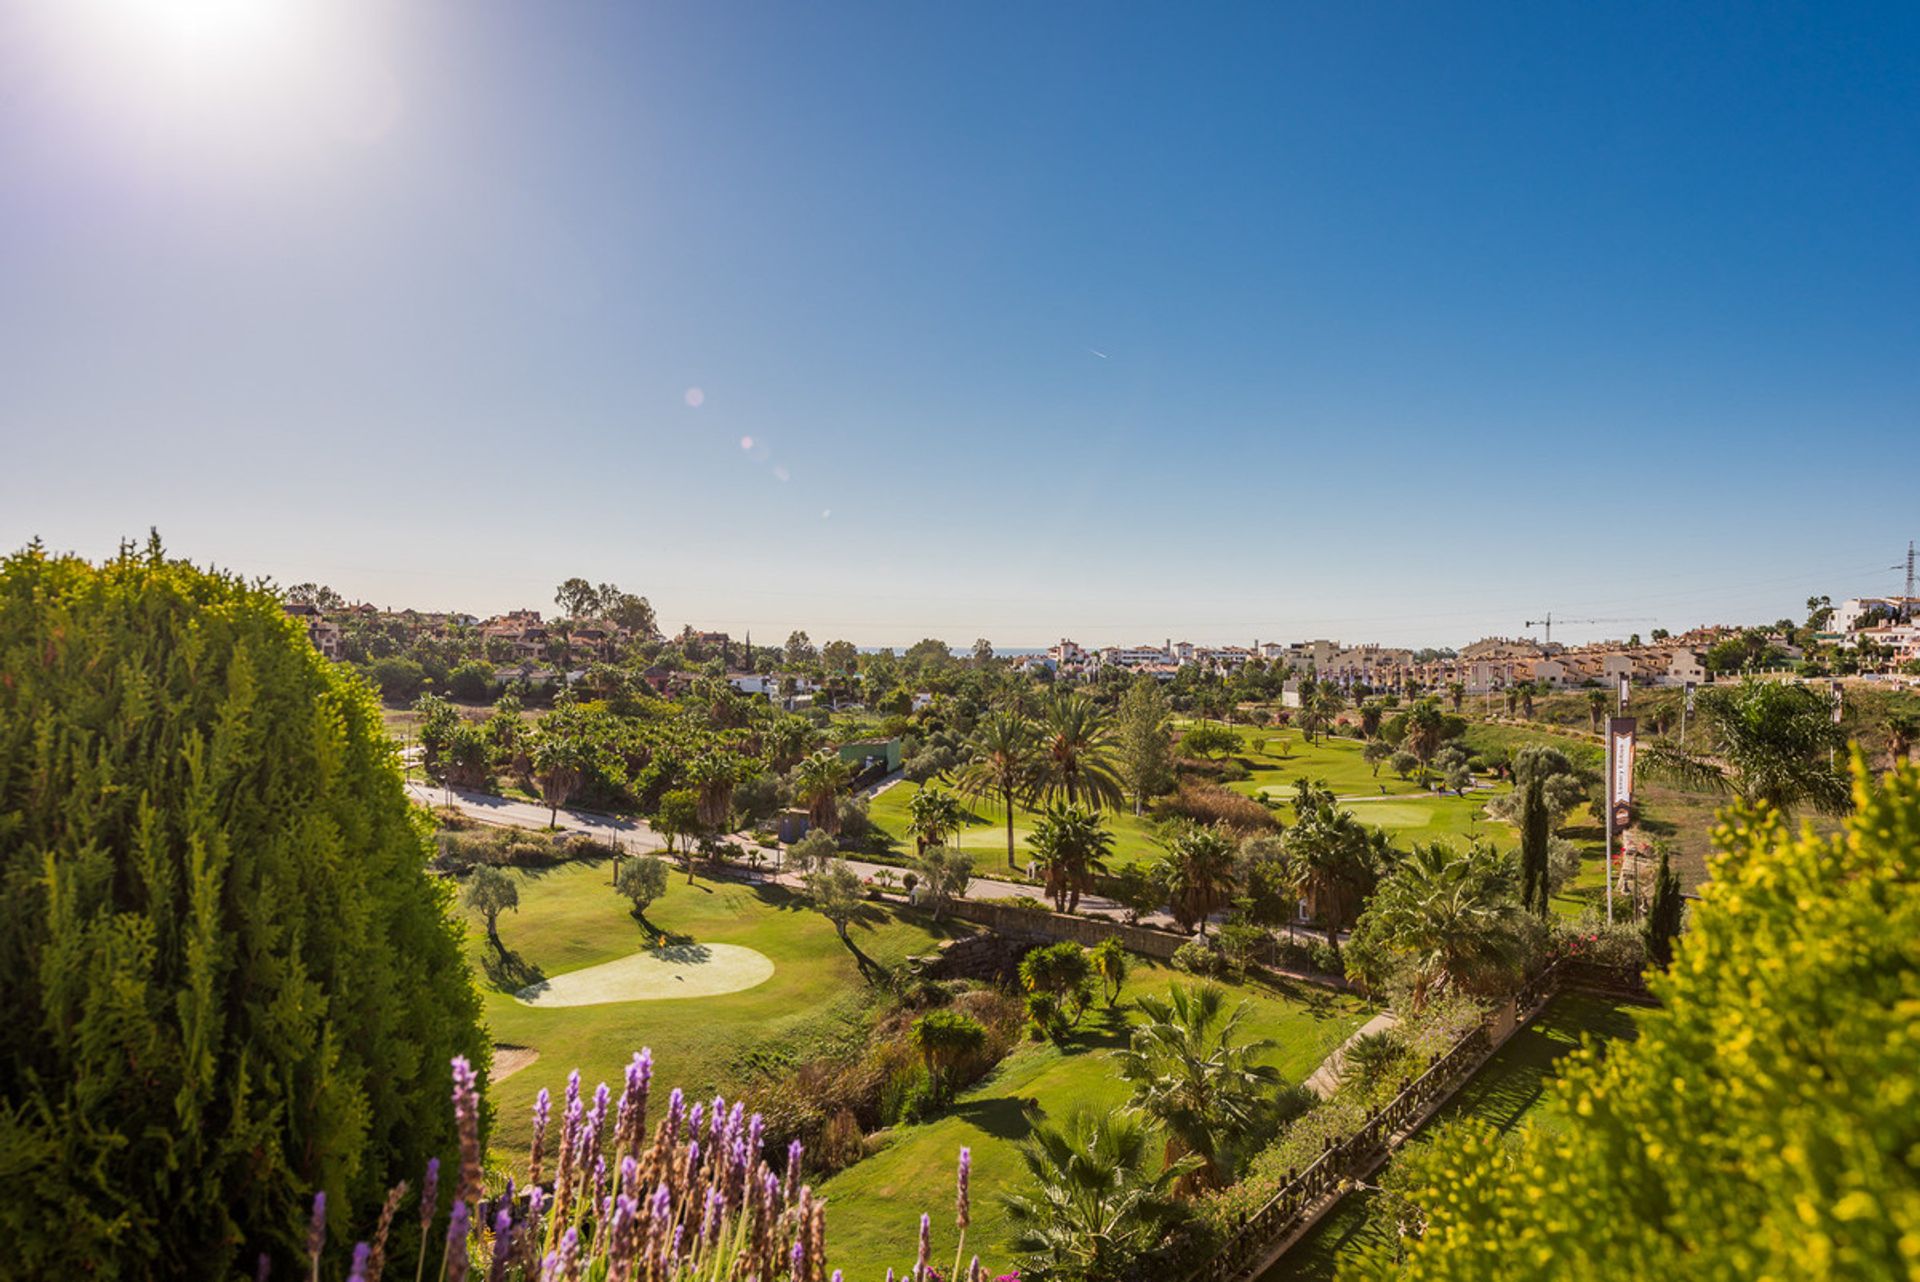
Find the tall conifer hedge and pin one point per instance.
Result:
(226, 979)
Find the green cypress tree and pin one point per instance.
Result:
(1663, 914)
(227, 977)
(1536, 834)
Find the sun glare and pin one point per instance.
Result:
(246, 71)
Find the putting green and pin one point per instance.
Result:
(656, 974)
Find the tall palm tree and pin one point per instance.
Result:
(1190, 1075)
(1001, 755)
(933, 816)
(1526, 691)
(1446, 916)
(1766, 741)
(1199, 870)
(713, 777)
(1425, 726)
(818, 782)
(1071, 845)
(1902, 729)
(1076, 761)
(1597, 701)
(1096, 1201)
(1456, 691)
(1332, 859)
(786, 740)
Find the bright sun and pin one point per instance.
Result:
(241, 69)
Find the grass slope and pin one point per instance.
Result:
(876, 1204)
(1511, 1089)
(570, 917)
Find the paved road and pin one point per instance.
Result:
(634, 834)
(630, 834)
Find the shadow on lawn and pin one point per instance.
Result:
(509, 971)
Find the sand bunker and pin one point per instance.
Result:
(678, 970)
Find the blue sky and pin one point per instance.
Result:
(1386, 322)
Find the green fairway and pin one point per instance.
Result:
(570, 919)
(1514, 1087)
(876, 1204)
(1274, 760)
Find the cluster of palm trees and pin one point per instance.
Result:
(1063, 756)
(1099, 1194)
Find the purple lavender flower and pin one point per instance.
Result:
(694, 1115)
(262, 1269)
(716, 1119)
(797, 1258)
(317, 1230)
(361, 1254)
(960, 1198)
(926, 1245)
(542, 1111)
(837, 1276)
(502, 1245)
(756, 1136)
(429, 1194)
(466, 1113)
(456, 1263)
(662, 1206)
(795, 1151)
(676, 1108)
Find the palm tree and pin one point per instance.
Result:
(1071, 845)
(557, 762)
(1199, 872)
(1902, 729)
(786, 741)
(1446, 916)
(1597, 701)
(1526, 691)
(1331, 860)
(713, 777)
(1190, 1076)
(1766, 742)
(1076, 761)
(818, 782)
(1001, 756)
(1096, 1202)
(1370, 714)
(1456, 691)
(932, 817)
(1425, 726)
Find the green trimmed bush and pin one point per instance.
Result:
(228, 977)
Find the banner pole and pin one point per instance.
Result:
(1606, 862)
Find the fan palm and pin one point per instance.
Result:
(1766, 742)
(1096, 1202)
(1198, 867)
(817, 783)
(1447, 916)
(932, 817)
(1071, 845)
(713, 777)
(1330, 858)
(1076, 760)
(1000, 761)
(1191, 1076)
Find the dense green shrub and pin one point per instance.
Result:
(1762, 1124)
(229, 979)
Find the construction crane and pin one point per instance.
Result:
(1906, 602)
(1548, 623)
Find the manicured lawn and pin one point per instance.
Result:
(570, 917)
(876, 1204)
(1275, 759)
(1513, 1088)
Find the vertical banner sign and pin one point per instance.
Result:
(1689, 696)
(1619, 790)
(1836, 703)
(1620, 744)
(1624, 683)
